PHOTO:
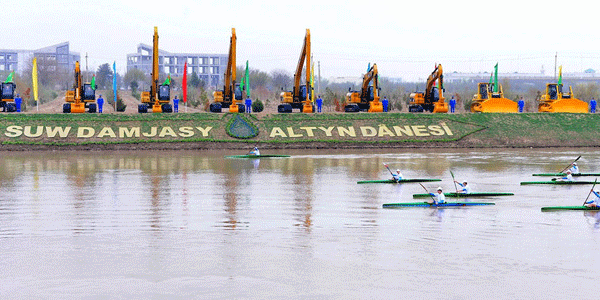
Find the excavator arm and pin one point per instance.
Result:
(300, 97)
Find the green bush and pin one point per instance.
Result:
(257, 106)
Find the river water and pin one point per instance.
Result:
(195, 225)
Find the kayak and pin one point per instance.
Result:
(255, 156)
(565, 174)
(463, 195)
(426, 204)
(550, 208)
(401, 180)
(557, 182)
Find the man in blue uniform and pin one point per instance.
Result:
(452, 104)
(175, 104)
(319, 104)
(18, 102)
(100, 102)
(248, 105)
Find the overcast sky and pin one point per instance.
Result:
(404, 39)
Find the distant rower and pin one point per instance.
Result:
(398, 176)
(466, 189)
(439, 197)
(574, 168)
(593, 202)
(254, 152)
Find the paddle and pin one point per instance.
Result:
(433, 201)
(454, 180)
(394, 178)
(586, 198)
(570, 164)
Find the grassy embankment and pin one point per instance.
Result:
(469, 130)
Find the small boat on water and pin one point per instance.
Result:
(407, 180)
(256, 156)
(557, 182)
(427, 204)
(565, 174)
(465, 195)
(581, 207)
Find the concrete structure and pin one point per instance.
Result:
(210, 68)
(57, 58)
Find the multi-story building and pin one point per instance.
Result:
(57, 58)
(210, 68)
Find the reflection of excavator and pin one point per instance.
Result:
(8, 97)
(554, 100)
(368, 97)
(300, 97)
(159, 96)
(225, 98)
(490, 98)
(433, 98)
(81, 97)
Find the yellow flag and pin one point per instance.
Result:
(34, 79)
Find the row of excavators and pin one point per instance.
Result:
(489, 97)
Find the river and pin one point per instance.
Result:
(196, 225)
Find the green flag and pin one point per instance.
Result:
(10, 77)
(496, 78)
(247, 80)
(168, 80)
(560, 75)
(93, 83)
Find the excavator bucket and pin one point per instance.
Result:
(156, 108)
(376, 106)
(308, 107)
(495, 105)
(78, 107)
(234, 108)
(572, 105)
(440, 107)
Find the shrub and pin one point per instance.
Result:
(257, 106)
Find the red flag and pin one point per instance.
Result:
(184, 87)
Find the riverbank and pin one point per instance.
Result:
(23, 132)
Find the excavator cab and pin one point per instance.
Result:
(164, 97)
(552, 91)
(8, 97)
(88, 92)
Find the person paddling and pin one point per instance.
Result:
(466, 189)
(398, 176)
(254, 152)
(593, 202)
(569, 176)
(439, 197)
(574, 168)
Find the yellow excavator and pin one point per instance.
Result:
(231, 95)
(368, 97)
(8, 96)
(159, 96)
(300, 96)
(433, 98)
(81, 97)
(490, 98)
(554, 100)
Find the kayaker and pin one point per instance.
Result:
(254, 151)
(593, 202)
(574, 168)
(439, 197)
(569, 177)
(398, 176)
(466, 189)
